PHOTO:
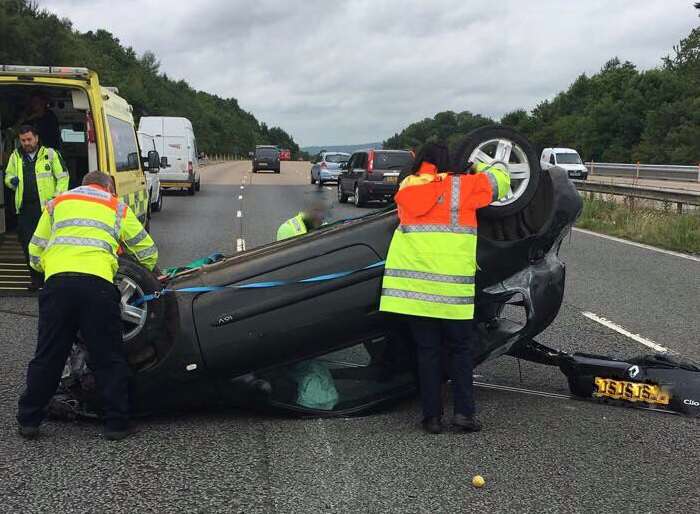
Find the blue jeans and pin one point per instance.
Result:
(430, 335)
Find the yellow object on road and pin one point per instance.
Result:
(478, 481)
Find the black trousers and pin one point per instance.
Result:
(69, 303)
(27, 220)
(431, 335)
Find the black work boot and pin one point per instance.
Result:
(432, 425)
(28, 432)
(466, 423)
(118, 435)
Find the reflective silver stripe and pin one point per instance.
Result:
(61, 175)
(424, 275)
(82, 241)
(146, 253)
(121, 212)
(49, 207)
(83, 222)
(137, 238)
(44, 174)
(425, 297)
(34, 259)
(454, 200)
(297, 226)
(437, 228)
(494, 185)
(39, 241)
(50, 153)
(91, 191)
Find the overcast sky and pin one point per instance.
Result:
(345, 72)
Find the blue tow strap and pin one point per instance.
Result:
(255, 285)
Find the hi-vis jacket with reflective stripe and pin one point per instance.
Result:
(81, 231)
(431, 262)
(51, 178)
(292, 227)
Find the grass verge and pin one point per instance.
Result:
(679, 232)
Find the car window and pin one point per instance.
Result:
(126, 151)
(551, 159)
(266, 153)
(335, 157)
(392, 160)
(361, 161)
(568, 158)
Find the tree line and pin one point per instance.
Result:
(620, 114)
(31, 36)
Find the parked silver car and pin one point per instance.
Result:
(327, 167)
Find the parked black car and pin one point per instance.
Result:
(268, 347)
(372, 175)
(266, 158)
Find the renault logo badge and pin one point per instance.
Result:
(633, 371)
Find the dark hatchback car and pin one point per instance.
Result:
(266, 158)
(372, 175)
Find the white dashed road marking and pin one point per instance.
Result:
(617, 328)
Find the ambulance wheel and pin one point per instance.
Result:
(191, 189)
(497, 143)
(143, 324)
(198, 186)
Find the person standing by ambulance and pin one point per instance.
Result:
(36, 175)
(76, 245)
(429, 273)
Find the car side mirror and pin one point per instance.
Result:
(163, 162)
(343, 165)
(153, 161)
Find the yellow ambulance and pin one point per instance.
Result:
(95, 129)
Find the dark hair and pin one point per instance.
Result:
(434, 153)
(28, 128)
(99, 178)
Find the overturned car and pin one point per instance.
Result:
(294, 326)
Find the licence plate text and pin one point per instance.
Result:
(630, 391)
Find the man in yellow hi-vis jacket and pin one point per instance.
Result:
(75, 245)
(36, 175)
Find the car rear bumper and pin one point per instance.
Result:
(379, 189)
(329, 175)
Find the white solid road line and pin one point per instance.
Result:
(639, 245)
(239, 214)
(617, 328)
(240, 245)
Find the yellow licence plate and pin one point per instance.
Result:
(391, 180)
(630, 391)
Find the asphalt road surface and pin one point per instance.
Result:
(539, 451)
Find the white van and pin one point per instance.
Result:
(566, 158)
(147, 143)
(177, 147)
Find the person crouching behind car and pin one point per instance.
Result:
(307, 220)
(429, 273)
(75, 245)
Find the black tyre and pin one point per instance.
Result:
(342, 196)
(313, 180)
(360, 197)
(143, 324)
(498, 143)
(198, 186)
(158, 206)
(277, 171)
(191, 189)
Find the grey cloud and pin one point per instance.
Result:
(359, 70)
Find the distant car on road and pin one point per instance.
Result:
(285, 154)
(155, 192)
(327, 167)
(566, 158)
(266, 157)
(372, 175)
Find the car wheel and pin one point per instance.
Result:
(254, 170)
(277, 171)
(360, 199)
(502, 144)
(191, 189)
(313, 180)
(143, 325)
(342, 197)
(198, 186)
(320, 182)
(158, 206)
